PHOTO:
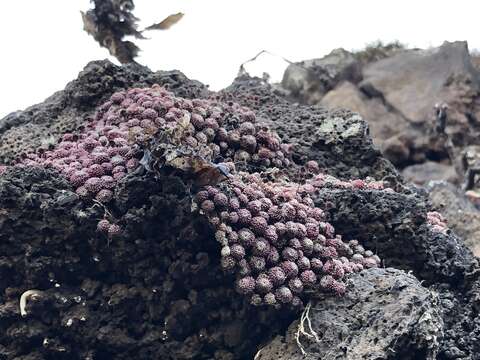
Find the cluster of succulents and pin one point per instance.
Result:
(276, 241)
(111, 144)
(324, 180)
(320, 181)
(437, 222)
(273, 237)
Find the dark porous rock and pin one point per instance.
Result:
(386, 314)
(461, 338)
(41, 125)
(155, 291)
(307, 81)
(338, 140)
(461, 215)
(394, 225)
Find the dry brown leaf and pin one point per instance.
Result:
(166, 23)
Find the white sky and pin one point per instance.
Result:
(43, 45)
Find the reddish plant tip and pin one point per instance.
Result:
(207, 206)
(103, 226)
(114, 230)
(104, 196)
(220, 200)
(312, 166)
(263, 285)
(437, 222)
(246, 285)
(284, 295)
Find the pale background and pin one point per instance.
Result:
(43, 45)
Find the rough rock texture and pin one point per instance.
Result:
(394, 224)
(403, 239)
(386, 304)
(158, 291)
(462, 216)
(461, 324)
(338, 140)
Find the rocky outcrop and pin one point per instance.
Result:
(158, 289)
(309, 80)
(386, 127)
(413, 81)
(396, 94)
(394, 317)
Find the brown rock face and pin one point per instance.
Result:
(413, 81)
(421, 174)
(396, 94)
(383, 123)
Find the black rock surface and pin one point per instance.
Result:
(386, 314)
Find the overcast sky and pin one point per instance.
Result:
(43, 45)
